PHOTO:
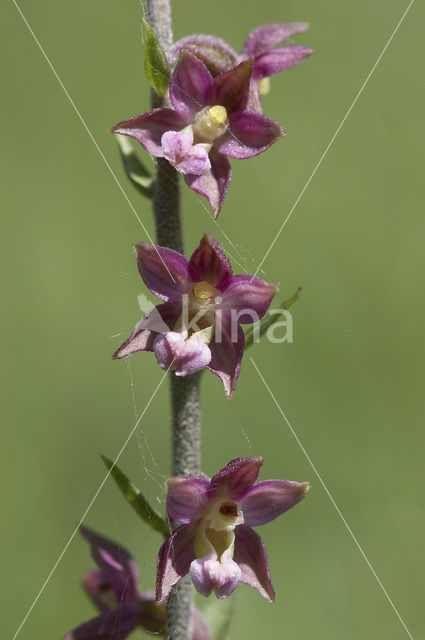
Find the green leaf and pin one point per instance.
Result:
(218, 616)
(136, 499)
(157, 69)
(260, 328)
(134, 168)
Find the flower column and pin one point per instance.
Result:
(184, 391)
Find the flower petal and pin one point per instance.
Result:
(208, 574)
(159, 320)
(111, 625)
(268, 36)
(187, 498)
(149, 128)
(280, 59)
(183, 155)
(254, 99)
(189, 86)
(174, 560)
(226, 354)
(230, 89)
(184, 356)
(248, 298)
(209, 262)
(176, 143)
(215, 52)
(99, 590)
(213, 184)
(267, 500)
(250, 554)
(118, 566)
(164, 271)
(249, 134)
(237, 477)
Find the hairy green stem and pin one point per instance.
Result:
(186, 423)
(184, 391)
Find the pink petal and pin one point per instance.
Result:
(189, 86)
(197, 161)
(227, 352)
(250, 554)
(209, 262)
(187, 498)
(176, 143)
(111, 625)
(215, 52)
(248, 298)
(254, 98)
(185, 156)
(213, 184)
(174, 560)
(184, 356)
(164, 271)
(208, 574)
(118, 566)
(268, 36)
(279, 59)
(159, 320)
(230, 89)
(237, 477)
(249, 134)
(267, 500)
(149, 128)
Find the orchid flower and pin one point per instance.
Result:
(114, 590)
(208, 121)
(219, 56)
(215, 543)
(198, 324)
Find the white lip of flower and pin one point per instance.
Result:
(215, 534)
(210, 123)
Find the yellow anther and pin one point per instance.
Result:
(203, 290)
(210, 123)
(264, 86)
(218, 114)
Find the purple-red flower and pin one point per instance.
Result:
(219, 56)
(198, 324)
(209, 120)
(114, 589)
(215, 543)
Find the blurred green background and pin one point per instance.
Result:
(352, 384)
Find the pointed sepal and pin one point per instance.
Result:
(257, 330)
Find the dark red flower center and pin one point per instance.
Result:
(229, 509)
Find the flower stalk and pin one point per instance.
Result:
(185, 406)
